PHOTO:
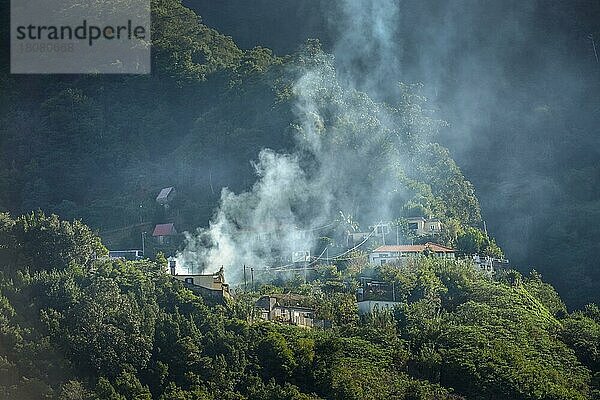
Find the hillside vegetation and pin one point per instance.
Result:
(197, 123)
(96, 149)
(105, 329)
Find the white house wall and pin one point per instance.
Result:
(367, 306)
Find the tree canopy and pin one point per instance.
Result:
(114, 329)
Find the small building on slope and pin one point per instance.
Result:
(131, 255)
(490, 265)
(375, 296)
(211, 286)
(288, 308)
(165, 196)
(389, 254)
(164, 233)
(422, 227)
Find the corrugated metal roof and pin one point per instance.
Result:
(164, 193)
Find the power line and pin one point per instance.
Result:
(336, 257)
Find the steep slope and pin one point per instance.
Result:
(197, 123)
(127, 330)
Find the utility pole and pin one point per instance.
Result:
(143, 244)
(245, 281)
(397, 235)
(252, 277)
(212, 190)
(591, 36)
(382, 232)
(305, 270)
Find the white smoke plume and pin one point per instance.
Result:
(349, 156)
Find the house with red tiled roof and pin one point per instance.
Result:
(164, 233)
(389, 254)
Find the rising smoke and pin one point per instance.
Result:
(349, 156)
(516, 80)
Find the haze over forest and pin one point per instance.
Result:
(271, 128)
(517, 82)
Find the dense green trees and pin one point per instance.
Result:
(177, 126)
(486, 339)
(581, 331)
(474, 241)
(75, 325)
(126, 330)
(41, 242)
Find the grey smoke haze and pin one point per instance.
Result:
(519, 94)
(339, 135)
(517, 81)
(366, 42)
(297, 193)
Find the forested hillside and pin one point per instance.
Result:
(517, 82)
(297, 139)
(210, 106)
(198, 122)
(101, 329)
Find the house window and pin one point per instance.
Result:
(189, 280)
(383, 261)
(432, 227)
(413, 226)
